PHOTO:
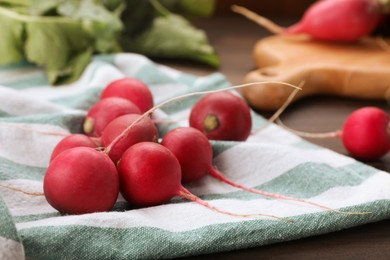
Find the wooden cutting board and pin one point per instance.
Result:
(358, 70)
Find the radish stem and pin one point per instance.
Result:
(216, 174)
(262, 21)
(184, 193)
(332, 134)
(33, 130)
(276, 115)
(32, 193)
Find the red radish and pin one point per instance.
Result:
(341, 20)
(81, 180)
(193, 150)
(331, 20)
(366, 133)
(195, 155)
(222, 116)
(144, 130)
(104, 111)
(150, 175)
(74, 140)
(132, 89)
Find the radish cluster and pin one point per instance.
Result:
(119, 151)
(82, 176)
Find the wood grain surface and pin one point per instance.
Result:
(358, 69)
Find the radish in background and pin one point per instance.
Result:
(331, 20)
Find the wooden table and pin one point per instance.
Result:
(234, 37)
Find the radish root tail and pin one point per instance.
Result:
(31, 193)
(333, 134)
(184, 193)
(277, 114)
(29, 129)
(260, 20)
(216, 174)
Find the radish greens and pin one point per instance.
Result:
(62, 36)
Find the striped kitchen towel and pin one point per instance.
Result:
(275, 160)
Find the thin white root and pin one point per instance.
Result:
(333, 134)
(260, 20)
(184, 193)
(29, 129)
(22, 191)
(276, 115)
(150, 111)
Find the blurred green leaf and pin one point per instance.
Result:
(104, 26)
(62, 44)
(62, 35)
(172, 36)
(72, 70)
(54, 43)
(11, 44)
